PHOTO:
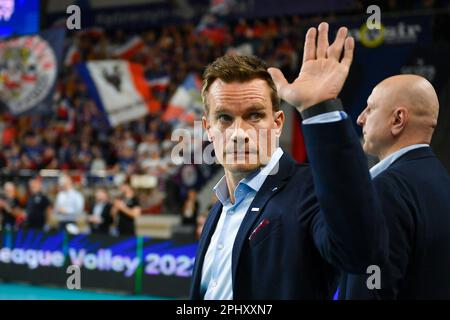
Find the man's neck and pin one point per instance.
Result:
(233, 179)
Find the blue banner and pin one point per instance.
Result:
(131, 264)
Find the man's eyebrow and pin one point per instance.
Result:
(256, 107)
(220, 109)
(252, 108)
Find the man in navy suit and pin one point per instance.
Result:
(409, 183)
(282, 230)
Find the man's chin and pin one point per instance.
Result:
(369, 151)
(241, 168)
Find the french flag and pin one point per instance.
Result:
(120, 90)
(186, 104)
(129, 49)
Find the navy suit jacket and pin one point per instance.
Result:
(413, 194)
(319, 223)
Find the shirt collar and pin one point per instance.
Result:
(386, 162)
(254, 180)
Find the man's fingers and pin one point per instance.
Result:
(279, 79)
(349, 47)
(335, 50)
(309, 52)
(322, 41)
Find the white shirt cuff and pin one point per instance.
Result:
(332, 116)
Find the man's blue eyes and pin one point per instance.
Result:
(252, 116)
(224, 117)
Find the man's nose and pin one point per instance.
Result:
(361, 119)
(239, 134)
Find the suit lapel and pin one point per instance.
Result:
(273, 184)
(208, 231)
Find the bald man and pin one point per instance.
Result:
(402, 111)
(410, 187)
(413, 188)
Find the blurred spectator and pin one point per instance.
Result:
(126, 209)
(10, 209)
(149, 145)
(98, 163)
(69, 204)
(151, 163)
(200, 223)
(38, 207)
(100, 218)
(126, 158)
(190, 208)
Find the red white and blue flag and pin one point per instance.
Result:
(186, 104)
(120, 89)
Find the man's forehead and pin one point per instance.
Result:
(254, 86)
(373, 96)
(253, 92)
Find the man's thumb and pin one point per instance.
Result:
(278, 78)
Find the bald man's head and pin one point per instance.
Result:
(402, 110)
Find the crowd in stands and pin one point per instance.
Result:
(109, 214)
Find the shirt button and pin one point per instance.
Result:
(220, 246)
(213, 284)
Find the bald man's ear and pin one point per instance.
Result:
(399, 120)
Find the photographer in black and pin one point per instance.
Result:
(126, 209)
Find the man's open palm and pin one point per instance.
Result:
(323, 72)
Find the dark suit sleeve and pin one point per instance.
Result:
(349, 229)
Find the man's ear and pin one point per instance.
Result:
(399, 120)
(207, 127)
(279, 122)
